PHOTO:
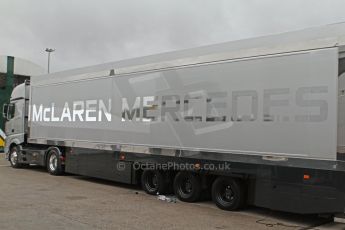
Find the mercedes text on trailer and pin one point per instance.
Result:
(253, 122)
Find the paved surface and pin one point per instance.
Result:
(33, 199)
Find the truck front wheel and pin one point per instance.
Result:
(13, 157)
(54, 165)
(187, 186)
(228, 193)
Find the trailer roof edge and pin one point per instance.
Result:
(313, 38)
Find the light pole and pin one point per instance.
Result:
(49, 51)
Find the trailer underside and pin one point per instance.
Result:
(278, 187)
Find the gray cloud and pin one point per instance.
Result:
(86, 32)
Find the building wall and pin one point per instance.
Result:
(14, 71)
(6, 87)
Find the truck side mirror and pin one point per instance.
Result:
(4, 111)
(10, 111)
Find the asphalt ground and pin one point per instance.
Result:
(32, 199)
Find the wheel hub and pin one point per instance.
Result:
(155, 181)
(14, 157)
(151, 181)
(228, 193)
(188, 186)
(53, 162)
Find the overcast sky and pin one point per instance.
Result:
(88, 32)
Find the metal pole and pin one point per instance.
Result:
(49, 51)
(48, 62)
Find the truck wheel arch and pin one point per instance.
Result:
(13, 144)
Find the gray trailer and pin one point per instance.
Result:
(253, 122)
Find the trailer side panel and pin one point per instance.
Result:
(279, 105)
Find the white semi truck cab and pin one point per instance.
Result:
(16, 113)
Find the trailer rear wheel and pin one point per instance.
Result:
(187, 186)
(13, 157)
(228, 193)
(54, 165)
(153, 182)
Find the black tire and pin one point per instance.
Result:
(229, 193)
(13, 157)
(154, 182)
(54, 164)
(187, 186)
